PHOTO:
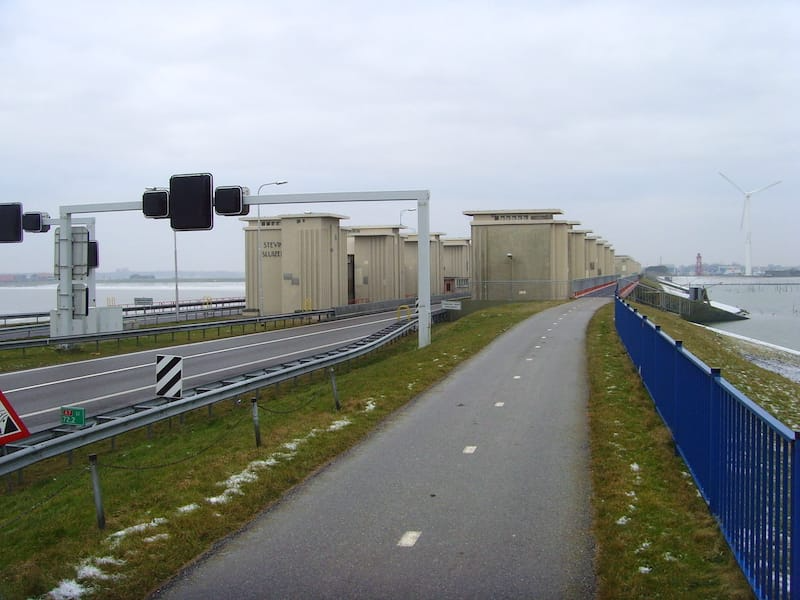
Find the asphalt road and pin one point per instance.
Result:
(479, 489)
(104, 384)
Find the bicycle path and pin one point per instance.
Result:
(480, 488)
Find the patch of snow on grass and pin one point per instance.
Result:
(669, 558)
(117, 536)
(644, 546)
(623, 520)
(188, 508)
(337, 425)
(88, 571)
(635, 467)
(68, 589)
(644, 570)
(156, 538)
(370, 405)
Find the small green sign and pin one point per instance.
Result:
(73, 415)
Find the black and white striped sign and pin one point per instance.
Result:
(169, 376)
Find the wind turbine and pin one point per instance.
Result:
(748, 266)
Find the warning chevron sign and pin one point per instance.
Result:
(169, 376)
(11, 426)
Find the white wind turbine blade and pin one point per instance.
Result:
(729, 180)
(765, 187)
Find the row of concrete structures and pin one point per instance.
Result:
(309, 261)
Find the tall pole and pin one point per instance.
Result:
(175, 250)
(424, 272)
(260, 291)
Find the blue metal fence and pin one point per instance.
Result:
(745, 462)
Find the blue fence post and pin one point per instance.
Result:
(714, 424)
(794, 541)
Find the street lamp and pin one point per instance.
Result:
(511, 276)
(405, 210)
(258, 243)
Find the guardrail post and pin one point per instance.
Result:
(794, 541)
(335, 391)
(98, 495)
(256, 426)
(714, 453)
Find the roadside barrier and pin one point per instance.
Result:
(745, 462)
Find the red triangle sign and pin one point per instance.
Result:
(11, 426)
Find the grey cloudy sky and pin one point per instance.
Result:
(619, 113)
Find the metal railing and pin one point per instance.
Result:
(156, 331)
(60, 440)
(745, 462)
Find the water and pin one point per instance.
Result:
(773, 304)
(42, 298)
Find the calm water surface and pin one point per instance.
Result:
(42, 298)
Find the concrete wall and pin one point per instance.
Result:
(301, 261)
(577, 254)
(411, 265)
(519, 255)
(456, 265)
(625, 265)
(378, 260)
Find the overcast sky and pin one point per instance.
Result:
(619, 113)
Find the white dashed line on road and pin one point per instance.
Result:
(499, 404)
(470, 449)
(409, 539)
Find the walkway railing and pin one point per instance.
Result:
(745, 462)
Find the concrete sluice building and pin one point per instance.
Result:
(456, 265)
(308, 261)
(375, 258)
(519, 255)
(410, 265)
(527, 254)
(294, 262)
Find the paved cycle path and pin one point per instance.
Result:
(478, 489)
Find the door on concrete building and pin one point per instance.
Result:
(351, 278)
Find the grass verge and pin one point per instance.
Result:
(655, 535)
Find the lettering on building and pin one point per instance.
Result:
(271, 250)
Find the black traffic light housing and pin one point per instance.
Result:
(229, 201)
(155, 204)
(191, 199)
(33, 222)
(11, 222)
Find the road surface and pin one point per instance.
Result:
(478, 489)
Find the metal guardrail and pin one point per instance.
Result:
(50, 443)
(154, 331)
(143, 309)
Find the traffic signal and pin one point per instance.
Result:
(191, 199)
(92, 256)
(229, 201)
(155, 204)
(33, 222)
(11, 222)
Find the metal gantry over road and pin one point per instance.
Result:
(189, 203)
